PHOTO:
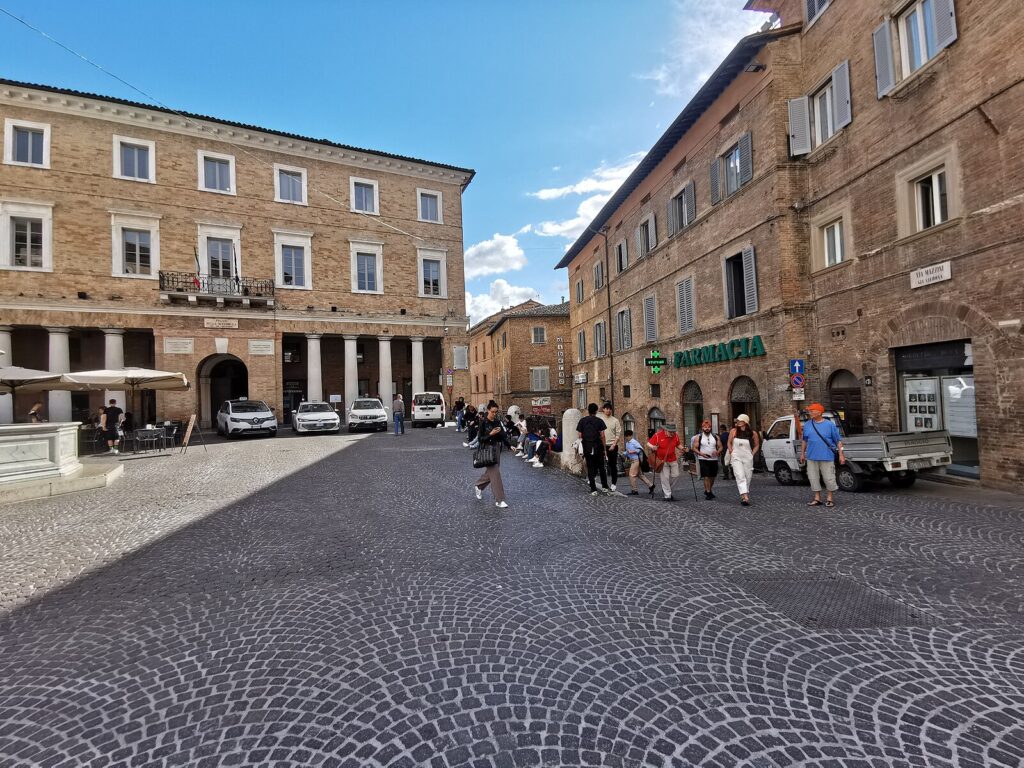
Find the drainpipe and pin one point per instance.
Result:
(608, 297)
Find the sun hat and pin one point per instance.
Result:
(744, 418)
(816, 407)
(669, 427)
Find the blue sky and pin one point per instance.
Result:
(552, 102)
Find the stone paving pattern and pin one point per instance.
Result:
(324, 601)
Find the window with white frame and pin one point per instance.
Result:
(736, 165)
(433, 273)
(134, 159)
(581, 346)
(646, 236)
(741, 284)
(364, 195)
(26, 143)
(26, 230)
(579, 291)
(216, 172)
(918, 41)
(289, 184)
(429, 205)
(367, 266)
(731, 161)
(598, 275)
(293, 259)
(621, 256)
(823, 113)
(220, 255)
(581, 398)
(814, 8)
(135, 244)
(540, 334)
(815, 119)
(923, 30)
(833, 245)
(600, 339)
(540, 379)
(931, 200)
(623, 330)
(682, 208)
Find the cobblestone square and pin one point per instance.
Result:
(346, 601)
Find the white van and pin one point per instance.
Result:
(428, 409)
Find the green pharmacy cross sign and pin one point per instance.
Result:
(655, 362)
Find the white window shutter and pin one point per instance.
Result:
(690, 196)
(841, 95)
(885, 69)
(650, 319)
(750, 279)
(673, 222)
(945, 23)
(639, 243)
(746, 158)
(716, 189)
(654, 231)
(625, 253)
(799, 126)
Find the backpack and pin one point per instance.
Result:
(590, 430)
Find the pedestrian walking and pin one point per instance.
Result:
(744, 444)
(634, 453)
(472, 425)
(398, 412)
(492, 433)
(109, 423)
(460, 413)
(665, 444)
(724, 438)
(822, 446)
(707, 447)
(591, 433)
(612, 436)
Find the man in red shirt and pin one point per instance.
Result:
(665, 461)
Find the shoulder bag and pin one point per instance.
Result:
(485, 455)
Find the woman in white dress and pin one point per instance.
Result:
(744, 443)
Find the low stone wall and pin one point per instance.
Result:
(38, 451)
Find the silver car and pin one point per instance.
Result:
(246, 417)
(315, 417)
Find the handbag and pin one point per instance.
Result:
(577, 445)
(728, 458)
(485, 455)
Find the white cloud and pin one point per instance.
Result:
(603, 179)
(499, 254)
(499, 296)
(703, 34)
(573, 228)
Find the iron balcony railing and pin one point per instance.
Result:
(190, 282)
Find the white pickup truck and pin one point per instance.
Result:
(898, 456)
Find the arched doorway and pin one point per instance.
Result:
(655, 421)
(745, 398)
(693, 410)
(845, 398)
(221, 377)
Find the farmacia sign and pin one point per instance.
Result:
(733, 349)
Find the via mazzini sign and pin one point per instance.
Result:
(734, 349)
(936, 273)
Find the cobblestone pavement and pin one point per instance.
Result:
(327, 602)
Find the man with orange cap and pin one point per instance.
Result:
(822, 445)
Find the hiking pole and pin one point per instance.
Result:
(693, 482)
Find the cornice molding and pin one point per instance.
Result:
(83, 106)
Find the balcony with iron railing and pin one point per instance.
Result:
(193, 288)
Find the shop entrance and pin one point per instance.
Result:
(221, 377)
(693, 410)
(844, 397)
(936, 391)
(745, 398)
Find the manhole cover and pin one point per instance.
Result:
(823, 601)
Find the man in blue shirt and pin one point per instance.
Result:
(822, 445)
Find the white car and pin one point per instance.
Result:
(246, 417)
(315, 417)
(367, 413)
(428, 409)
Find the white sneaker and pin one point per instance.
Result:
(607, 490)
(114, 451)
(479, 493)
(465, 445)
(501, 505)
(537, 464)
(611, 487)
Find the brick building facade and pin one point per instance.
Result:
(481, 350)
(842, 192)
(258, 263)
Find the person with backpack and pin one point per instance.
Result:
(822, 446)
(591, 433)
(634, 455)
(707, 448)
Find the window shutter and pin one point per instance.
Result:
(617, 332)
(799, 126)
(627, 331)
(581, 340)
(639, 243)
(673, 220)
(841, 94)
(650, 319)
(654, 231)
(812, 9)
(945, 23)
(684, 290)
(690, 197)
(716, 190)
(746, 158)
(749, 279)
(625, 253)
(885, 71)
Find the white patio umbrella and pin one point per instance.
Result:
(131, 379)
(15, 379)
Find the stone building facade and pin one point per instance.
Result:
(841, 192)
(531, 354)
(259, 263)
(481, 350)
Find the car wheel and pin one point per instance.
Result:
(848, 480)
(783, 474)
(903, 479)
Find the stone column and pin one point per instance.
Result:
(6, 401)
(314, 372)
(384, 372)
(60, 362)
(418, 384)
(351, 371)
(113, 358)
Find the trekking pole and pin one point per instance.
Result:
(693, 482)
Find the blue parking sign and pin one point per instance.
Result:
(797, 366)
